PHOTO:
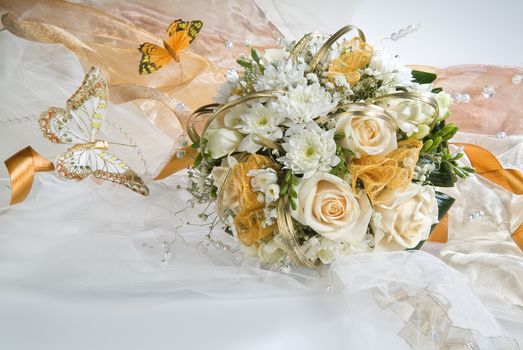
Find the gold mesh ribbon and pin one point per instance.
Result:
(383, 176)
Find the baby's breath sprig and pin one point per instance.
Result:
(289, 180)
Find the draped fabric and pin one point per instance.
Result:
(142, 263)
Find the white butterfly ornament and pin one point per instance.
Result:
(78, 125)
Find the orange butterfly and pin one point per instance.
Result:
(181, 34)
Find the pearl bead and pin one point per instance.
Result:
(165, 244)
(202, 248)
(465, 98)
(516, 79)
(229, 44)
(329, 288)
(410, 28)
(394, 36)
(181, 106)
(167, 255)
(247, 43)
(501, 135)
(488, 91)
(402, 32)
(286, 268)
(164, 262)
(190, 203)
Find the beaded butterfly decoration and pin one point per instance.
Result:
(78, 125)
(181, 35)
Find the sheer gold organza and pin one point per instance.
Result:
(109, 32)
(248, 221)
(382, 176)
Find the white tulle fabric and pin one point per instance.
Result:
(75, 244)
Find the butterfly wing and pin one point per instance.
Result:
(182, 33)
(81, 120)
(153, 58)
(77, 164)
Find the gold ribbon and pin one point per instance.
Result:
(22, 167)
(490, 168)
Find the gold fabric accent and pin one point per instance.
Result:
(249, 227)
(22, 167)
(248, 221)
(383, 176)
(356, 56)
(242, 182)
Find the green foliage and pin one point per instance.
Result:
(435, 149)
(287, 184)
(421, 77)
(342, 169)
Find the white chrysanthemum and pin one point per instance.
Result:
(309, 150)
(387, 67)
(259, 120)
(225, 90)
(304, 103)
(281, 74)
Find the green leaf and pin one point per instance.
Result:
(401, 88)
(423, 77)
(244, 63)
(196, 145)
(442, 177)
(339, 135)
(254, 55)
(294, 206)
(437, 90)
(198, 160)
(444, 203)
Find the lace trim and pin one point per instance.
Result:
(428, 325)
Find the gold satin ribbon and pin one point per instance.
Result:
(22, 167)
(486, 165)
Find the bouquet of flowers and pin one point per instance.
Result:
(325, 147)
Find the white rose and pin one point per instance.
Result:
(406, 219)
(366, 135)
(414, 117)
(273, 55)
(327, 204)
(222, 141)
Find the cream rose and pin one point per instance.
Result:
(327, 204)
(222, 141)
(405, 220)
(365, 135)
